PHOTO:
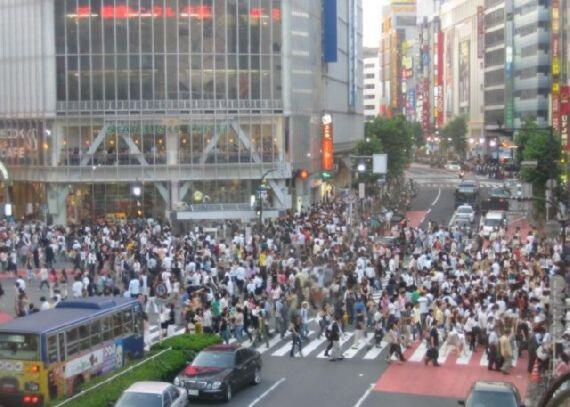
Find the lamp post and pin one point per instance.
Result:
(265, 174)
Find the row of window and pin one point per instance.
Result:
(64, 345)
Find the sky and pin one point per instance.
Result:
(372, 22)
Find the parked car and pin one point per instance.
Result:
(452, 166)
(153, 394)
(492, 394)
(465, 212)
(219, 370)
(491, 221)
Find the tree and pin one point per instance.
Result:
(540, 145)
(396, 136)
(454, 134)
(418, 135)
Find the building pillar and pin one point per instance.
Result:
(56, 203)
(172, 145)
(174, 194)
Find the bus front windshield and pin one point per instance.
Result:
(19, 346)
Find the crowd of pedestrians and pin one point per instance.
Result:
(328, 266)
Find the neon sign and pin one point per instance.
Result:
(122, 12)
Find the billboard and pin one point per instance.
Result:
(449, 73)
(327, 144)
(464, 73)
(480, 32)
(330, 40)
(564, 114)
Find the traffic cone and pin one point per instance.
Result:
(535, 375)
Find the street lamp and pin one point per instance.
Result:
(361, 166)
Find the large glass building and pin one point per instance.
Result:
(128, 108)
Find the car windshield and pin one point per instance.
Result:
(133, 399)
(499, 193)
(21, 347)
(491, 399)
(214, 359)
(492, 222)
(465, 210)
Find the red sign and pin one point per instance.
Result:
(564, 115)
(327, 144)
(565, 100)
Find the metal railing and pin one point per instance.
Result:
(152, 105)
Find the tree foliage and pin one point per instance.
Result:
(454, 134)
(396, 137)
(540, 145)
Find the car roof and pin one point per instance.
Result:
(494, 386)
(149, 387)
(495, 214)
(465, 206)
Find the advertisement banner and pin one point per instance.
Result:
(464, 73)
(327, 144)
(449, 73)
(439, 107)
(564, 115)
(480, 32)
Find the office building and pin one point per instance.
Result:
(371, 98)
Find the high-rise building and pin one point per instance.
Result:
(398, 48)
(462, 26)
(371, 80)
(142, 107)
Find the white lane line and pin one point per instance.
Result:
(443, 355)
(287, 348)
(437, 197)
(364, 396)
(375, 352)
(419, 353)
(343, 340)
(272, 342)
(266, 392)
(352, 351)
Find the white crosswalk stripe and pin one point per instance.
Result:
(285, 349)
(465, 357)
(272, 342)
(444, 352)
(375, 351)
(313, 345)
(357, 347)
(419, 353)
(152, 336)
(347, 336)
(484, 360)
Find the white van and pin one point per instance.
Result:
(493, 220)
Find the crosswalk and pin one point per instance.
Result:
(452, 183)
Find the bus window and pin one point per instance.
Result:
(84, 342)
(61, 341)
(117, 324)
(52, 348)
(16, 346)
(95, 332)
(72, 340)
(107, 328)
(127, 322)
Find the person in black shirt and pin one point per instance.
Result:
(433, 346)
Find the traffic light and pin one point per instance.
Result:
(326, 175)
(303, 174)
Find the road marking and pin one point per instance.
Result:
(272, 342)
(437, 197)
(443, 356)
(286, 348)
(352, 351)
(419, 353)
(313, 345)
(344, 340)
(484, 360)
(364, 396)
(266, 392)
(465, 357)
(374, 352)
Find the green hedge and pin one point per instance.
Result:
(162, 368)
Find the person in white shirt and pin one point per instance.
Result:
(77, 288)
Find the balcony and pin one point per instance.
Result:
(165, 105)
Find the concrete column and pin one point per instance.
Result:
(56, 203)
(172, 145)
(174, 194)
(56, 139)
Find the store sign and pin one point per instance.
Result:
(556, 62)
(480, 32)
(352, 52)
(327, 144)
(564, 115)
(16, 143)
(121, 12)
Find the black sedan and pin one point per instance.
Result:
(492, 394)
(219, 370)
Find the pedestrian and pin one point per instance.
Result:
(296, 342)
(493, 353)
(336, 333)
(432, 354)
(506, 352)
(394, 343)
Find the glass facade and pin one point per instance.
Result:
(167, 50)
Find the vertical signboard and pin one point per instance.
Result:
(327, 144)
(352, 51)
(564, 114)
(480, 32)
(438, 67)
(556, 116)
(509, 64)
(464, 73)
(449, 73)
(330, 39)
